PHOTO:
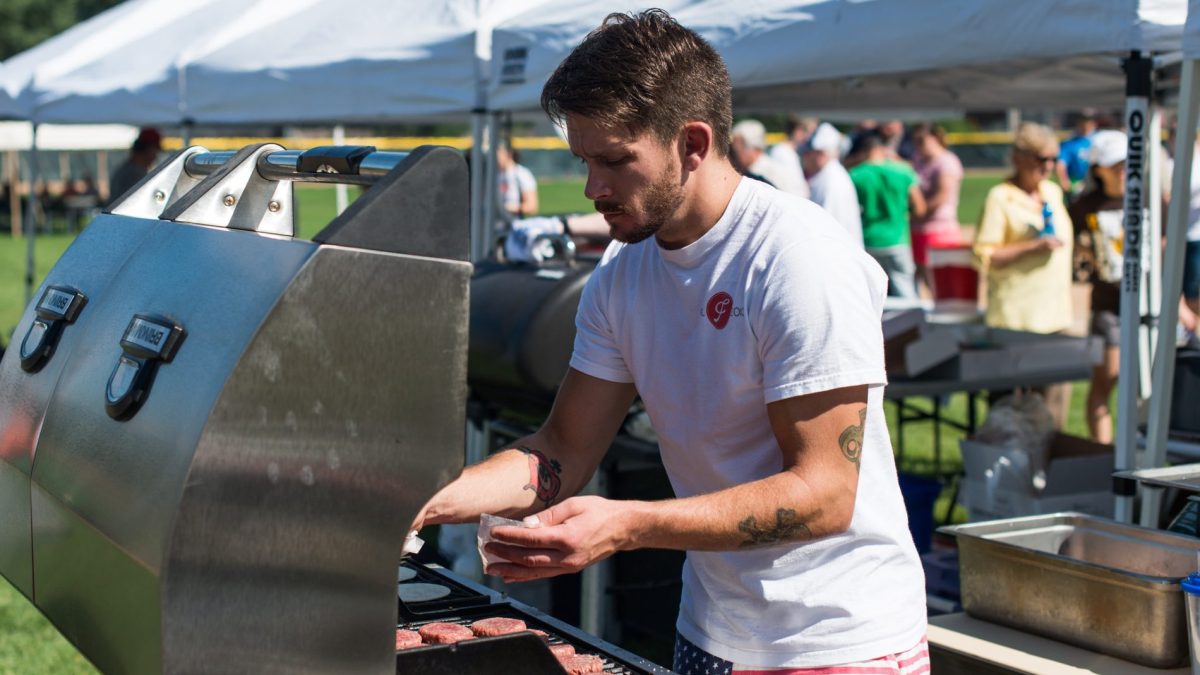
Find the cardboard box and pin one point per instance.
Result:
(1078, 478)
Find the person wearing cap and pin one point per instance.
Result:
(1023, 246)
(889, 193)
(1098, 215)
(829, 181)
(941, 174)
(787, 153)
(1075, 154)
(135, 167)
(748, 142)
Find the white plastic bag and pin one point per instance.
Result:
(1023, 426)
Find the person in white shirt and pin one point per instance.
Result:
(749, 153)
(787, 155)
(829, 181)
(749, 323)
(516, 187)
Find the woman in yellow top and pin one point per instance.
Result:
(1023, 245)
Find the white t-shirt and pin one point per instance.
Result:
(788, 159)
(774, 301)
(514, 183)
(832, 188)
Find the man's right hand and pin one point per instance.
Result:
(540, 470)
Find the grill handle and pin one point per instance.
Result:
(355, 165)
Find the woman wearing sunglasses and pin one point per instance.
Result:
(1023, 246)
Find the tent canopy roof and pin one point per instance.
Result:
(855, 54)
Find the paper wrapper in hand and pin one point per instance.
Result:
(486, 523)
(412, 544)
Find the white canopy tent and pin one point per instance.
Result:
(861, 54)
(174, 62)
(114, 67)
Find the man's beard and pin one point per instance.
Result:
(663, 198)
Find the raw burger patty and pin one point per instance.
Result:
(498, 625)
(579, 664)
(438, 633)
(540, 633)
(562, 651)
(407, 639)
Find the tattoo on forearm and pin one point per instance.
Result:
(851, 440)
(544, 475)
(788, 527)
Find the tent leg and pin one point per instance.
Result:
(31, 216)
(478, 250)
(14, 189)
(1138, 73)
(1172, 280)
(341, 190)
(490, 200)
(1151, 295)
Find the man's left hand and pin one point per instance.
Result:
(570, 536)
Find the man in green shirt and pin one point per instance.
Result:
(888, 192)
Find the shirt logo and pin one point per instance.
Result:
(719, 309)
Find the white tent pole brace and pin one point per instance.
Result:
(341, 190)
(478, 193)
(1138, 71)
(31, 215)
(1172, 280)
(490, 200)
(1151, 296)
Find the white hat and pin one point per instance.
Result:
(1108, 148)
(752, 133)
(824, 139)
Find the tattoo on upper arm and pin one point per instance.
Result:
(544, 475)
(788, 527)
(851, 440)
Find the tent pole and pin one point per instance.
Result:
(341, 190)
(1138, 73)
(490, 200)
(478, 250)
(1172, 280)
(1151, 296)
(14, 190)
(31, 215)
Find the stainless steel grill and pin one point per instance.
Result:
(214, 435)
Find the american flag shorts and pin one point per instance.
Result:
(691, 660)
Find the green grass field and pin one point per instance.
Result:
(30, 645)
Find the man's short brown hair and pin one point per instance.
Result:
(644, 72)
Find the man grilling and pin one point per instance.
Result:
(749, 323)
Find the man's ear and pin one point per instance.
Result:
(696, 143)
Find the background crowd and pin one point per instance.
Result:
(1054, 221)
